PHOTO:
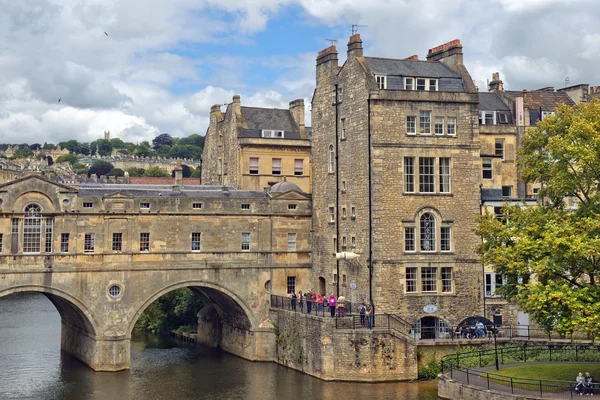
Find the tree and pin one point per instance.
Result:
(549, 254)
(116, 172)
(185, 151)
(104, 147)
(117, 143)
(23, 152)
(197, 173)
(143, 151)
(156, 172)
(162, 140)
(84, 148)
(194, 140)
(100, 168)
(71, 145)
(70, 158)
(164, 150)
(48, 146)
(80, 168)
(35, 146)
(135, 171)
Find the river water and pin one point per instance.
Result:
(33, 367)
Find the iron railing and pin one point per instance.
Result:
(309, 307)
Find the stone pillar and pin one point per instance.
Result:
(209, 327)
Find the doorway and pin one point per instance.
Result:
(322, 285)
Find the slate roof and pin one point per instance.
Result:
(255, 118)
(412, 68)
(548, 101)
(161, 181)
(210, 191)
(491, 102)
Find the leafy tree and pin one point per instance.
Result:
(35, 146)
(117, 143)
(100, 167)
(79, 168)
(197, 173)
(156, 172)
(175, 309)
(70, 158)
(162, 140)
(194, 140)
(71, 145)
(116, 172)
(23, 152)
(185, 151)
(550, 254)
(164, 150)
(48, 146)
(135, 171)
(84, 148)
(104, 147)
(39, 156)
(143, 151)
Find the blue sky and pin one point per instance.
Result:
(165, 63)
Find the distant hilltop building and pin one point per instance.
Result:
(106, 135)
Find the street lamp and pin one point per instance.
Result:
(495, 346)
(344, 255)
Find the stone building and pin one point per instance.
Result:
(397, 169)
(254, 148)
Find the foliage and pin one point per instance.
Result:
(430, 370)
(196, 173)
(23, 152)
(84, 148)
(79, 168)
(71, 145)
(162, 140)
(143, 151)
(116, 172)
(70, 158)
(35, 146)
(185, 170)
(100, 168)
(558, 371)
(557, 247)
(185, 151)
(194, 140)
(103, 146)
(136, 171)
(48, 146)
(164, 150)
(178, 308)
(156, 172)
(117, 143)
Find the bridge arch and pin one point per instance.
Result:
(228, 305)
(72, 311)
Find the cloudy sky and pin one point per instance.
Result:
(165, 62)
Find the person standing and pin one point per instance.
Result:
(301, 301)
(340, 306)
(320, 301)
(332, 305)
(361, 311)
(293, 296)
(369, 315)
(308, 302)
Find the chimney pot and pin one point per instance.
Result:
(355, 48)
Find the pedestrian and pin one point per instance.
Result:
(340, 305)
(301, 301)
(361, 311)
(293, 296)
(479, 329)
(369, 314)
(579, 384)
(313, 297)
(320, 301)
(588, 384)
(308, 302)
(332, 305)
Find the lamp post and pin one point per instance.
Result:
(344, 255)
(495, 347)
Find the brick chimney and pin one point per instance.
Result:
(496, 85)
(448, 53)
(355, 48)
(297, 110)
(413, 58)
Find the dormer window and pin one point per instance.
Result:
(381, 81)
(272, 134)
(421, 84)
(409, 83)
(502, 118)
(432, 85)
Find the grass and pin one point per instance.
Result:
(554, 371)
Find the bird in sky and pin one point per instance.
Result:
(59, 99)
(106, 33)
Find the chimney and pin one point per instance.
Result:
(327, 63)
(413, 58)
(236, 105)
(448, 53)
(178, 174)
(496, 85)
(297, 110)
(355, 48)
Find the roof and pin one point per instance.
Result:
(412, 68)
(255, 133)
(161, 181)
(285, 186)
(548, 101)
(491, 102)
(210, 191)
(255, 118)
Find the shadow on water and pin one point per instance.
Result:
(33, 367)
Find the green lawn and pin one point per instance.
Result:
(555, 371)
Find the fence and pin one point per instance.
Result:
(462, 366)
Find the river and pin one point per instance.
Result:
(33, 367)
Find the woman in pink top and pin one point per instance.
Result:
(332, 305)
(320, 301)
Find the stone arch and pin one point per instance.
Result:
(218, 296)
(72, 311)
(42, 199)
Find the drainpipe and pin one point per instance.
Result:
(370, 203)
(482, 265)
(337, 195)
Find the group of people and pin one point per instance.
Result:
(474, 332)
(584, 384)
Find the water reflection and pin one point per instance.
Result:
(34, 368)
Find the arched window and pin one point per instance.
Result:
(427, 232)
(331, 159)
(32, 229)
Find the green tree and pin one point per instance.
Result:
(35, 146)
(48, 146)
(116, 172)
(135, 171)
(117, 143)
(156, 172)
(143, 151)
(84, 148)
(164, 150)
(173, 310)
(104, 147)
(71, 145)
(23, 152)
(162, 140)
(80, 168)
(70, 158)
(100, 168)
(549, 254)
(185, 151)
(194, 140)
(196, 173)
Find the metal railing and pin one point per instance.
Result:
(463, 367)
(309, 307)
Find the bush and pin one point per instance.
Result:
(430, 370)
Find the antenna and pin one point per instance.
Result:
(333, 41)
(355, 28)
(567, 81)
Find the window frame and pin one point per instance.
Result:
(292, 244)
(429, 276)
(89, 242)
(144, 206)
(254, 169)
(64, 244)
(246, 240)
(291, 284)
(427, 174)
(245, 206)
(196, 206)
(144, 242)
(196, 242)
(449, 124)
(381, 81)
(409, 174)
(510, 192)
(410, 239)
(298, 166)
(440, 125)
(492, 284)
(331, 215)
(117, 241)
(88, 204)
(275, 169)
(33, 229)
(411, 125)
(425, 122)
(445, 281)
(427, 236)
(342, 128)
(487, 168)
(331, 166)
(501, 152)
(445, 239)
(445, 179)
(413, 281)
(411, 84)
(418, 85)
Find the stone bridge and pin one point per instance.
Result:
(102, 254)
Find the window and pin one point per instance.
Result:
(197, 206)
(114, 291)
(145, 206)
(409, 174)
(502, 117)
(331, 214)
(426, 174)
(344, 243)
(499, 148)
(299, 167)
(254, 161)
(14, 245)
(196, 241)
(421, 84)
(507, 192)
(409, 239)
(245, 241)
(335, 245)
(381, 81)
(438, 127)
(64, 242)
(1, 241)
(487, 117)
(245, 206)
(445, 238)
(427, 226)
(352, 241)
(451, 126)
(291, 242)
(292, 206)
(535, 192)
(444, 175)
(446, 279)
(88, 242)
(487, 168)
(411, 125)
(340, 94)
(546, 114)
(343, 186)
(432, 85)
(343, 128)
(88, 204)
(409, 84)
(429, 279)
(425, 122)
(291, 284)
(344, 212)
(117, 241)
(48, 243)
(411, 280)
(276, 166)
(353, 213)
(331, 159)
(32, 229)
(145, 241)
(493, 282)
(272, 134)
